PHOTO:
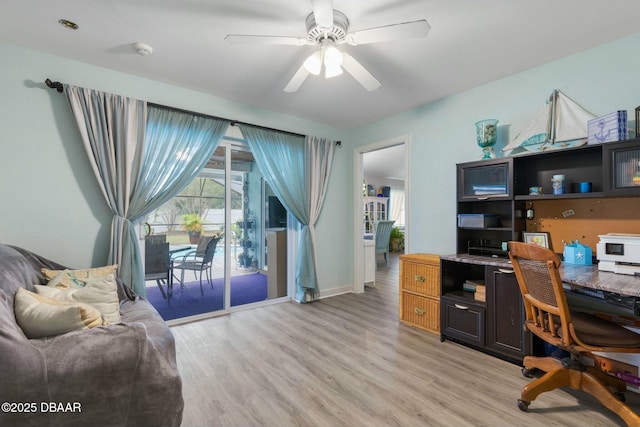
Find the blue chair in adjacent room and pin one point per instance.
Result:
(382, 237)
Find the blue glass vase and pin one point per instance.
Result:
(487, 135)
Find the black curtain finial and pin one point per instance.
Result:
(55, 85)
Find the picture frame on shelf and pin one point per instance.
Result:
(537, 238)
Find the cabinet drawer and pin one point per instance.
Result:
(422, 312)
(463, 320)
(420, 275)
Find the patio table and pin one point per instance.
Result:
(175, 252)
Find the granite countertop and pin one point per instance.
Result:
(586, 276)
(479, 259)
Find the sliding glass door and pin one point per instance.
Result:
(226, 235)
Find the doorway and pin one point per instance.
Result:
(379, 168)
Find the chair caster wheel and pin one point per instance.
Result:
(526, 372)
(523, 405)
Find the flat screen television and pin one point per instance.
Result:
(277, 213)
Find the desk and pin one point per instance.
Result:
(588, 276)
(621, 304)
(494, 325)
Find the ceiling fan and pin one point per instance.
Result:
(327, 29)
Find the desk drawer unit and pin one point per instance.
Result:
(463, 321)
(420, 291)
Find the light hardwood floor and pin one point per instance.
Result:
(347, 361)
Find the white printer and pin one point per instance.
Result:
(619, 253)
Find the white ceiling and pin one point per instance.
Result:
(471, 42)
(385, 164)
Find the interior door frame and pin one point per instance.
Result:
(358, 226)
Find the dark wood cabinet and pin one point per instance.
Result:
(505, 332)
(462, 317)
(609, 167)
(486, 179)
(495, 325)
(499, 189)
(486, 188)
(622, 168)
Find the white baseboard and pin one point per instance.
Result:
(326, 293)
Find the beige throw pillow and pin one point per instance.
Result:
(77, 276)
(101, 293)
(39, 316)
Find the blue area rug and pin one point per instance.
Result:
(188, 301)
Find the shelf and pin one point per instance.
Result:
(464, 296)
(487, 251)
(486, 228)
(591, 195)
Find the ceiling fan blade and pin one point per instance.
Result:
(296, 81)
(405, 30)
(323, 12)
(278, 40)
(359, 73)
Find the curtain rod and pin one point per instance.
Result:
(60, 88)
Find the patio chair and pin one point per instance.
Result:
(383, 235)
(156, 266)
(197, 262)
(202, 245)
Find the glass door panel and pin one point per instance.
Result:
(193, 224)
(228, 202)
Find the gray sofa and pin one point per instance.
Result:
(118, 375)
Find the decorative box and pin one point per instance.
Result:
(477, 220)
(608, 128)
(577, 253)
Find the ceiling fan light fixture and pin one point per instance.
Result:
(313, 63)
(332, 71)
(332, 57)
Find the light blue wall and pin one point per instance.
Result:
(602, 80)
(51, 204)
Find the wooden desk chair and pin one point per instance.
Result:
(548, 317)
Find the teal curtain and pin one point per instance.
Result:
(178, 145)
(139, 163)
(297, 169)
